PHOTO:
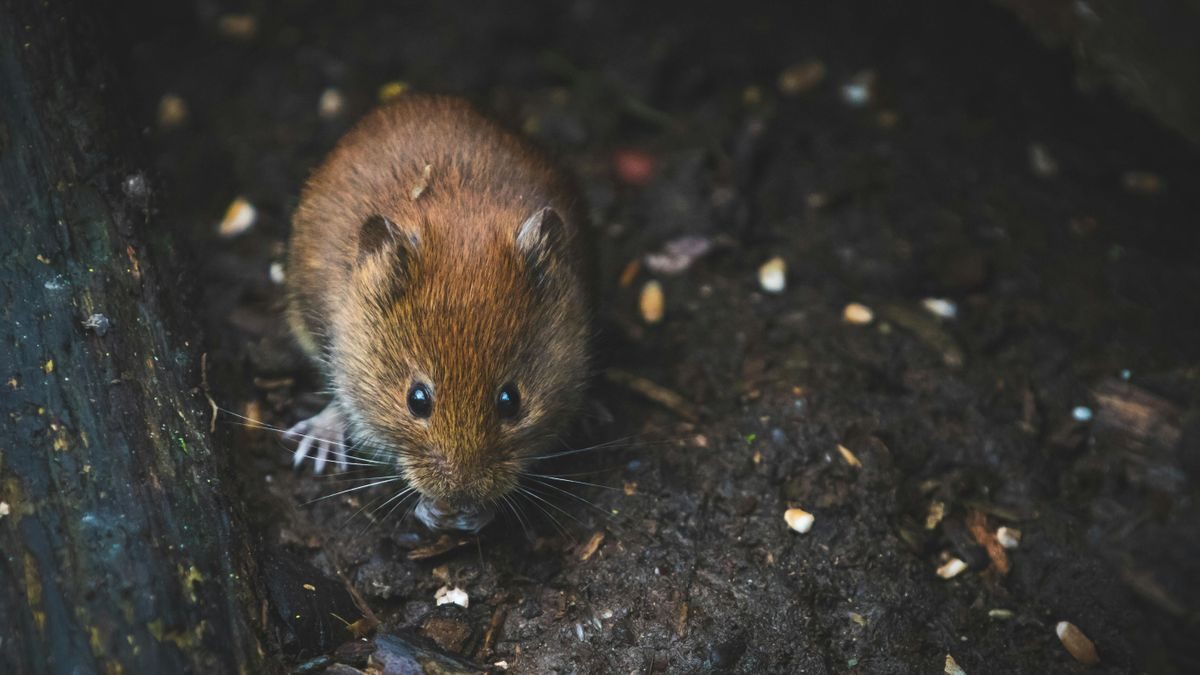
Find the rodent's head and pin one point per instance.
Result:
(462, 353)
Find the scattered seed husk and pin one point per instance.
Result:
(98, 324)
(1077, 643)
(239, 217)
(850, 458)
(937, 511)
(172, 111)
(1008, 537)
(952, 668)
(591, 546)
(772, 276)
(1142, 183)
(651, 302)
(678, 254)
(422, 183)
(801, 78)
(951, 568)
(799, 520)
(447, 595)
(858, 314)
(1041, 161)
(331, 104)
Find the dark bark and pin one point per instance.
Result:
(119, 552)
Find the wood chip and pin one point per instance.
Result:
(977, 524)
(593, 544)
(1077, 643)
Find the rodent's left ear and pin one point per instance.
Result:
(541, 237)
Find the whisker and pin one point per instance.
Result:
(391, 479)
(568, 480)
(572, 495)
(557, 525)
(549, 503)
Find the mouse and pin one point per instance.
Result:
(435, 279)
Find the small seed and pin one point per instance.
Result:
(951, 568)
(801, 77)
(937, 511)
(858, 314)
(447, 595)
(172, 111)
(651, 302)
(799, 520)
(1042, 162)
(240, 215)
(952, 668)
(331, 104)
(772, 276)
(391, 90)
(940, 307)
(1008, 537)
(850, 458)
(1077, 643)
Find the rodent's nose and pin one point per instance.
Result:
(437, 514)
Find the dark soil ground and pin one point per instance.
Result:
(1072, 290)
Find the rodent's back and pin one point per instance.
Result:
(435, 250)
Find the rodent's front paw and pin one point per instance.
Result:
(326, 431)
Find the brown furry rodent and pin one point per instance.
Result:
(435, 278)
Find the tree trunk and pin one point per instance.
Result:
(118, 551)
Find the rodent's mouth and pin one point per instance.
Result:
(438, 515)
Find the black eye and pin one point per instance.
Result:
(508, 403)
(420, 401)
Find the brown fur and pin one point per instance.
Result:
(451, 300)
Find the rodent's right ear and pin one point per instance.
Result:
(378, 234)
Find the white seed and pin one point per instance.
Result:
(1077, 643)
(502, 665)
(1008, 537)
(772, 276)
(276, 272)
(937, 511)
(857, 92)
(331, 104)
(952, 668)
(447, 595)
(4, 509)
(799, 520)
(1081, 413)
(951, 568)
(651, 302)
(941, 307)
(1000, 614)
(240, 215)
(858, 314)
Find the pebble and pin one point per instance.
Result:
(858, 314)
(801, 77)
(1008, 537)
(239, 217)
(651, 302)
(799, 520)
(1041, 161)
(941, 307)
(951, 568)
(772, 276)
(1077, 643)
(331, 104)
(447, 595)
(857, 92)
(1081, 413)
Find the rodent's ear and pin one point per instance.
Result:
(540, 238)
(379, 233)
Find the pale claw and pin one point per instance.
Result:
(326, 431)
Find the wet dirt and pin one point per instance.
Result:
(1061, 400)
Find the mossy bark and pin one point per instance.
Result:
(118, 552)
